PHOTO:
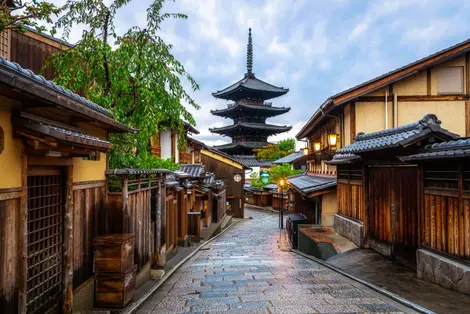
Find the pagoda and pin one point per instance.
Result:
(249, 111)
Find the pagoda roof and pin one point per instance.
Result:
(239, 148)
(250, 126)
(236, 110)
(250, 86)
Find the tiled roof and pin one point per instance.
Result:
(452, 149)
(290, 158)
(40, 79)
(271, 128)
(265, 110)
(305, 183)
(250, 82)
(190, 128)
(340, 159)
(194, 170)
(398, 136)
(242, 144)
(251, 161)
(192, 139)
(221, 153)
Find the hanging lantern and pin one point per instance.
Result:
(332, 139)
(281, 183)
(265, 177)
(305, 151)
(316, 146)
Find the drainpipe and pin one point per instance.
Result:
(386, 109)
(395, 109)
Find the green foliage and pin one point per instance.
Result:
(133, 74)
(26, 14)
(270, 152)
(283, 171)
(256, 180)
(142, 161)
(287, 145)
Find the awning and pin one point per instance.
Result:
(312, 185)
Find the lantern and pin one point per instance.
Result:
(237, 177)
(281, 183)
(265, 177)
(332, 139)
(305, 151)
(316, 146)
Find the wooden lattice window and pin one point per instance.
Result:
(442, 176)
(45, 240)
(5, 39)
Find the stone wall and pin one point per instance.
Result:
(443, 271)
(350, 229)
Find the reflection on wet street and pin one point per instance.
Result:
(245, 271)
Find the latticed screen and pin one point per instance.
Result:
(5, 44)
(45, 237)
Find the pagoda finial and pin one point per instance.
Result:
(249, 52)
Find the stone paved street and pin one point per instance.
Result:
(244, 271)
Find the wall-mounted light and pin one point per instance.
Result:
(305, 151)
(316, 146)
(332, 139)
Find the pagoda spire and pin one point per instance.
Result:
(249, 53)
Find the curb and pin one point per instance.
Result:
(389, 294)
(133, 307)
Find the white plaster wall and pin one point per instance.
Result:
(165, 144)
(248, 172)
(177, 153)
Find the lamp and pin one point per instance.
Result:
(281, 183)
(265, 177)
(332, 139)
(316, 146)
(305, 151)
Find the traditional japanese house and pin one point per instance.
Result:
(249, 111)
(232, 172)
(165, 145)
(378, 200)
(444, 213)
(297, 160)
(53, 161)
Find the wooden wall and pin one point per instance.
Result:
(235, 191)
(140, 224)
(88, 223)
(445, 223)
(9, 251)
(31, 52)
(171, 220)
(350, 191)
(311, 208)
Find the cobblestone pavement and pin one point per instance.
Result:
(244, 271)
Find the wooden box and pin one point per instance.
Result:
(114, 289)
(114, 253)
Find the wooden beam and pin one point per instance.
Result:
(352, 122)
(48, 161)
(467, 73)
(467, 118)
(23, 234)
(67, 292)
(415, 98)
(428, 78)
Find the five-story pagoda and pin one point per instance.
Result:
(249, 111)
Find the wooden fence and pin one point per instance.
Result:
(136, 204)
(351, 193)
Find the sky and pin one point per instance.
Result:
(314, 48)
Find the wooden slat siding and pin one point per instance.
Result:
(397, 75)
(352, 123)
(467, 118)
(9, 255)
(88, 223)
(31, 53)
(467, 73)
(380, 199)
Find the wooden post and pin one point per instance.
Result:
(23, 240)
(158, 222)
(125, 198)
(68, 243)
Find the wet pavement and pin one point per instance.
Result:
(245, 271)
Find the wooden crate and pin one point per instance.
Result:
(114, 253)
(114, 289)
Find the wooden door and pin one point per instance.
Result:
(45, 240)
(393, 212)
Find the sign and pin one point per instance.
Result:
(237, 177)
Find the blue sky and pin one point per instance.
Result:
(314, 48)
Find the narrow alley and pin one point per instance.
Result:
(245, 271)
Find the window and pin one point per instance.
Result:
(450, 80)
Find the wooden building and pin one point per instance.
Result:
(444, 213)
(249, 111)
(165, 145)
(232, 172)
(378, 199)
(53, 161)
(297, 160)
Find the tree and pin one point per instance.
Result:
(269, 152)
(14, 15)
(282, 171)
(133, 74)
(287, 145)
